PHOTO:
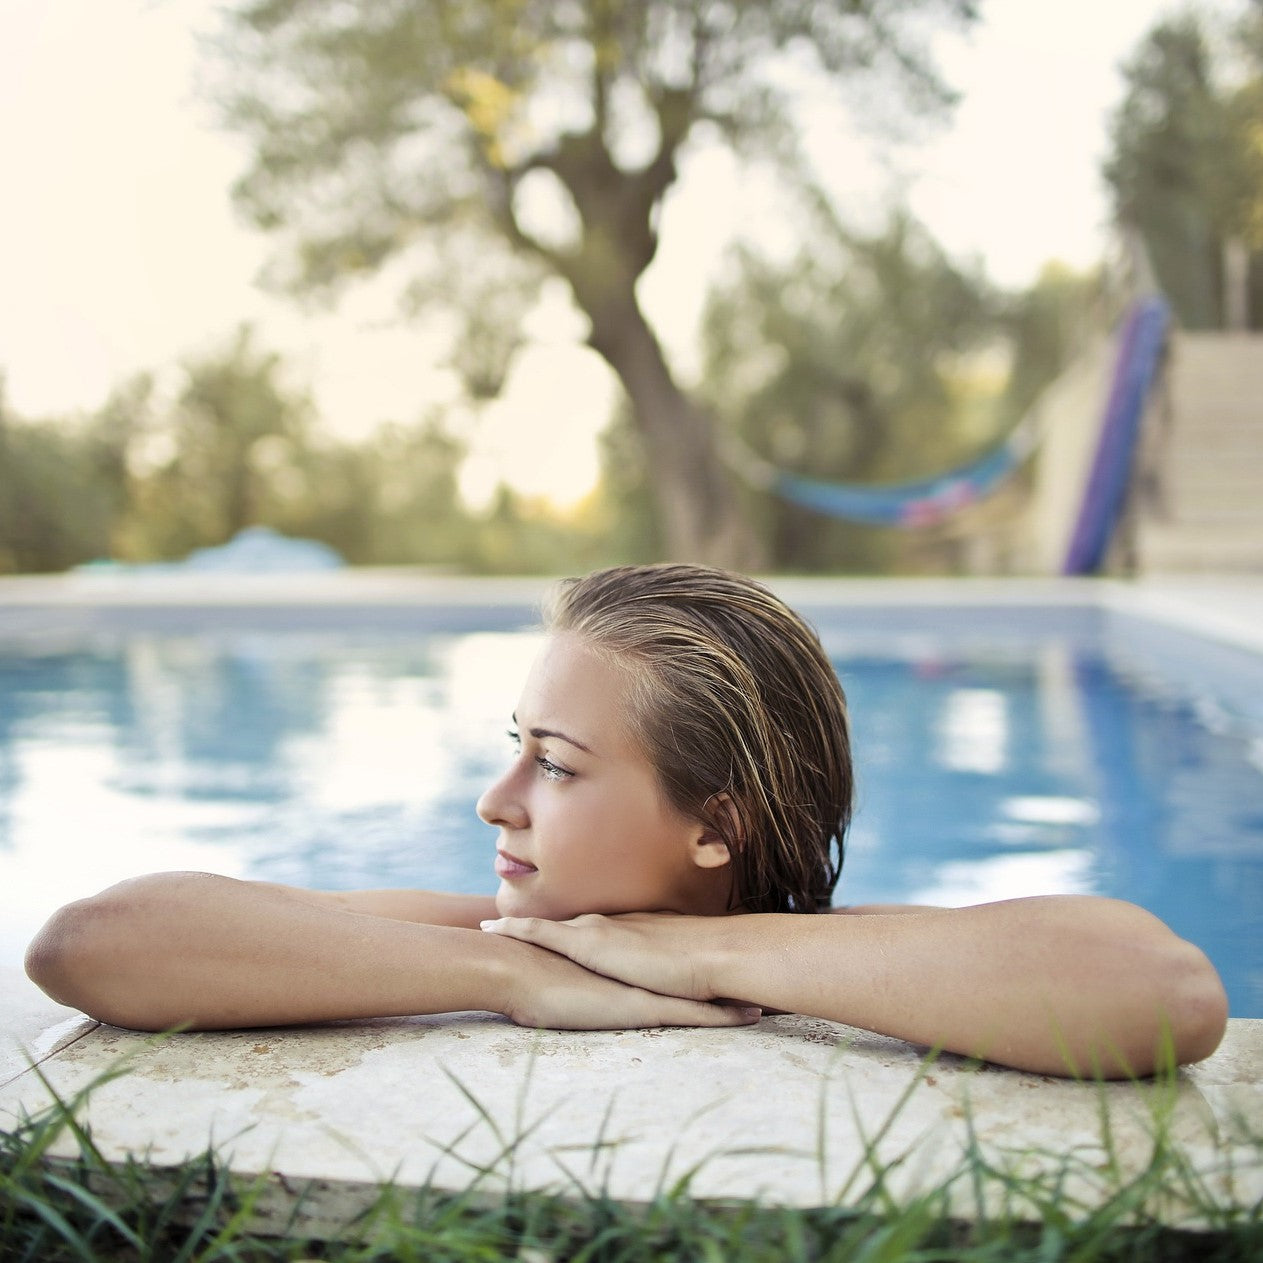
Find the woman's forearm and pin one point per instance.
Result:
(205, 951)
(1055, 985)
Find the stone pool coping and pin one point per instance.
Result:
(786, 1112)
(1231, 601)
(1223, 608)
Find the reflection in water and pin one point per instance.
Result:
(355, 760)
(1008, 877)
(1083, 780)
(291, 758)
(973, 731)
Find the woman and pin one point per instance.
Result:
(671, 824)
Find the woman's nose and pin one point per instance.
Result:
(501, 805)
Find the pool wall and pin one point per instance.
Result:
(1205, 634)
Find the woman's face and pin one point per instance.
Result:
(584, 825)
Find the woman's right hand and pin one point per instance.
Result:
(543, 989)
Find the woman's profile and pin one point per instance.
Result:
(670, 831)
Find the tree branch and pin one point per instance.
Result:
(502, 184)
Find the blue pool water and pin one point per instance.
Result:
(992, 762)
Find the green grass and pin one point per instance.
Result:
(87, 1208)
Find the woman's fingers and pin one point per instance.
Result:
(658, 952)
(579, 940)
(549, 934)
(668, 1011)
(618, 1007)
(552, 990)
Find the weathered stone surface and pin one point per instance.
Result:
(789, 1111)
(32, 1027)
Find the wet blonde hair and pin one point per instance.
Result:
(737, 707)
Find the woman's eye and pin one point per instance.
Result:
(550, 769)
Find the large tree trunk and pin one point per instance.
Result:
(697, 501)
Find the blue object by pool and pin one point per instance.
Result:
(261, 550)
(1140, 348)
(989, 765)
(253, 550)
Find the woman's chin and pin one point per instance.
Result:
(511, 902)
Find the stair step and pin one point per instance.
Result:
(1210, 466)
(1211, 490)
(1234, 517)
(1162, 549)
(1208, 515)
(1191, 432)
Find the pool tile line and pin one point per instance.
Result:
(41, 1053)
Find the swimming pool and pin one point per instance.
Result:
(1002, 750)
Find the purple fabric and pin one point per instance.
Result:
(1139, 353)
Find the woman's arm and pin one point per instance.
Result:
(431, 907)
(1058, 985)
(191, 949)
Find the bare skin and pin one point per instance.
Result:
(1060, 985)
(207, 952)
(1056, 985)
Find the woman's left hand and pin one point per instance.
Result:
(658, 951)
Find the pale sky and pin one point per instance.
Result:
(119, 251)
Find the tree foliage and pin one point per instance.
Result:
(158, 472)
(1186, 167)
(473, 148)
(59, 490)
(848, 363)
(857, 360)
(234, 430)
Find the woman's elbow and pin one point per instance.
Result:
(1197, 1007)
(80, 959)
(58, 958)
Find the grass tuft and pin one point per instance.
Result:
(1024, 1207)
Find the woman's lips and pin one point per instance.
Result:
(510, 866)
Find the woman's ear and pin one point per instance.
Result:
(710, 850)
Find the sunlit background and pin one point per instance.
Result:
(120, 251)
(891, 289)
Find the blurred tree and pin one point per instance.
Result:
(635, 533)
(56, 509)
(1187, 168)
(392, 498)
(849, 363)
(1046, 327)
(479, 147)
(211, 457)
(234, 414)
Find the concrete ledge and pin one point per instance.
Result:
(790, 1112)
(1226, 607)
(32, 1027)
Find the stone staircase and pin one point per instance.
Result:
(1203, 510)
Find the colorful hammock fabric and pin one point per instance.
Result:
(922, 502)
(1136, 368)
(928, 501)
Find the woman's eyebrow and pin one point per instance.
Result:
(540, 733)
